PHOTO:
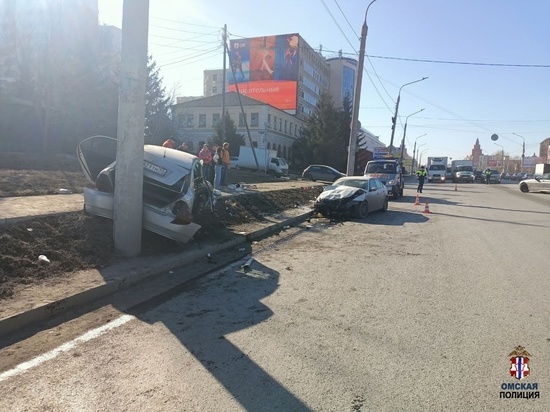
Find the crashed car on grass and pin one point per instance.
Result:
(174, 189)
(352, 197)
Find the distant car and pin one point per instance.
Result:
(478, 175)
(174, 189)
(449, 174)
(234, 162)
(540, 183)
(321, 172)
(495, 177)
(352, 197)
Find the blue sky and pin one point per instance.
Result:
(462, 102)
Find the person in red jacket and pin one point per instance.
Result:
(206, 158)
(170, 142)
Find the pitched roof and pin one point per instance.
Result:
(231, 99)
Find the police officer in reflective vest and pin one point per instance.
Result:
(421, 174)
(488, 176)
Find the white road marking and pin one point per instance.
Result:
(92, 334)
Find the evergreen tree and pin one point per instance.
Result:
(324, 138)
(158, 114)
(235, 140)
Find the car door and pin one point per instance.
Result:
(375, 196)
(543, 183)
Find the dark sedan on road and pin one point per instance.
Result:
(321, 172)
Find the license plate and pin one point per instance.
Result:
(161, 171)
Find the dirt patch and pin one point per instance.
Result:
(76, 241)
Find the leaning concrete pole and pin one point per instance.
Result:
(128, 201)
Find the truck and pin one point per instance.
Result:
(463, 171)
(542, 168)
(390, 172)
(437, 167)
(268, 161)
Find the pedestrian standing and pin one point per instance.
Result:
(170, 142)
(206, 158)
(488, 176)
(218, 168)
(226, 158)
(421, 174)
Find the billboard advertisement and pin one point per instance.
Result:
(266, 69)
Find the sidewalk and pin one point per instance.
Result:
(40, 302)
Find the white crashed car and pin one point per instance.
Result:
(352, 197)
(540, 183)
(174, 190)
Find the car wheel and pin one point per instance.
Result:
(385, 206)
(362, 210)
(272, 173)
(309, 177)
(523, 187)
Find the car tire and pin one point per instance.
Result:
(524, 188)
(362, 210)
(385, 206)
(309, 177)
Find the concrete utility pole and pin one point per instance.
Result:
(224, 71)
(394, 118)
(522, 152)
(352, 147)
(128, 196)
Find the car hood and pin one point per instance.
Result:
(167, 166)
(339, 193)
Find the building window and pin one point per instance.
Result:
(202, 120)
(214, 90)
(255, 144)
(275, 122)
(215, 119)
(242, 120)
(284, 152)
(279, 151)
(285, 125)
(254, 119)
(268, 145)
(280, 126)
(214, 77)
(269, 121)
(189, 120)
(181, 119)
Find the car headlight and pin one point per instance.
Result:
(390, 183)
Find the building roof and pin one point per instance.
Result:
(231, 99)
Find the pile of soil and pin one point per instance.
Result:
(76, 241)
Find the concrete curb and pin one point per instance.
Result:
(133, 277)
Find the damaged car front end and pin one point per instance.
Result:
(351, 197)
(174, 189)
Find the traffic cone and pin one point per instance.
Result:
(456, 188)
(427, 208)
(417, 202)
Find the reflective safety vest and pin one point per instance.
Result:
(488, 172)
(421, 173)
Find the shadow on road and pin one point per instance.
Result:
(207, 312)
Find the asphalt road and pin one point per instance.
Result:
(405, 311)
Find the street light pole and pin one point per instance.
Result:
(418, 161)
(414, 152)
(394, 118)
(522, 153)
(352, 147)
(502, 159)
(404, 134)
(423, 151)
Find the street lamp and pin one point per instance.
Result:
(503, 165)
(423, 151)
(522, 153)
(394, 118)
(423, 144)
(404, 134)
(357, 97)
(414, 151)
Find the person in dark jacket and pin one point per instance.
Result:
(421, 174)
(488, 174)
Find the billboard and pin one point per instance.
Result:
(266, 69)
